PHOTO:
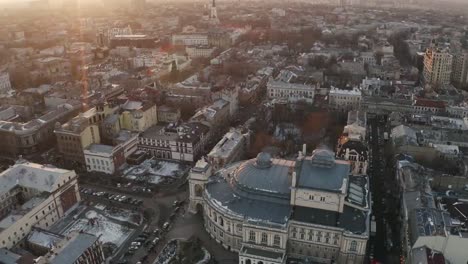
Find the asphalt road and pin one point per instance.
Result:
(385, 208)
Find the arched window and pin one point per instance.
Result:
(353, 246)
(248, 261)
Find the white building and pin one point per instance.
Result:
(190, 39)
(229, 149)
(457, 111)
(200, 51)
(33, 195)
(182, 143)
(269, 209)
(104, 158)
(344, 100)
(291, 87)
(5, 84)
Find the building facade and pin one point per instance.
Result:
(460, 69)
(273, 210)
(200, 51)
(36, 135)
(175, 142)
(5, 84)
(190, 39)
(104, 158)
(437, 66)
(290, 87)
(344, 100)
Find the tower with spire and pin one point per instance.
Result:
(214, 14)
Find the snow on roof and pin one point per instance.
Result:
(227, 144)
(34, 176)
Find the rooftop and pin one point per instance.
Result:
(35, 176)
(227, 144)
(73, 249)
(321, 171)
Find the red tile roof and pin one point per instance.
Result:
(429, 103)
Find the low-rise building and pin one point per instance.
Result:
(104, 158)
(36, 135)
(190, 39)
(138, 116)
(5, 84)
(291, 87)
(344, 100)
(177, 142)
(167, 114)
(76, 248)
(229, 149)
(200, 51)
(34, 195)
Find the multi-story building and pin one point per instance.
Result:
(184, 142)
(5, 84)
(344, 100)
(427, 106)
(80, 132)
(291, 87)
(167, 114)
(77, 248)
(190, 39)
(104, 158)
(270, 210)
(200, 51)
(460, 69)
(31, 137)
(138, 116)
(352, 146)
(33, 195)
(437, 66)
(229, 149)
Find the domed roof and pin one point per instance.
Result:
(263, 160)
(323, 158)
(264, 175)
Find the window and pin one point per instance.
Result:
(264, 238)
(322, 199)
(277, 240)
(252, 236)
(353, 246)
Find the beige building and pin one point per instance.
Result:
(271, 210)
(344, 100)
(138, 116)
(167, 114)
(36, 135)
(229, 149)
(437, 66)
(33, 195)
(460, 69)
(80, 132)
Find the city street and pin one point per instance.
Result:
(386, 243)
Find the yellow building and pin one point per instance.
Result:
(80, 132)
(138, 116)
